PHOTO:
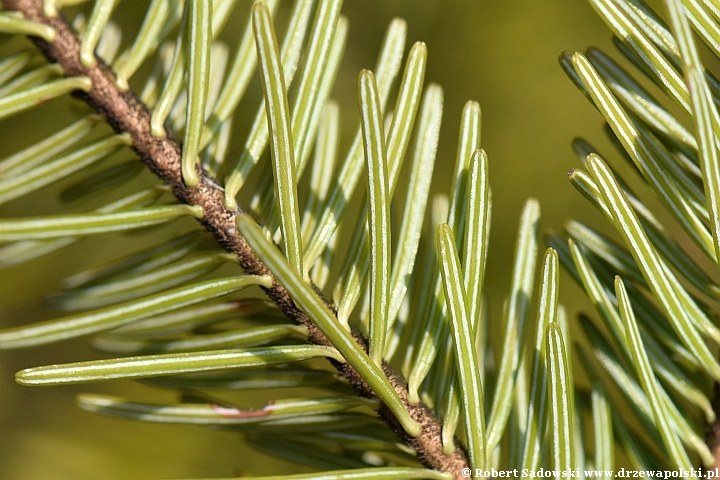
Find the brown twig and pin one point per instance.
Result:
(126, 113)
(712, 432)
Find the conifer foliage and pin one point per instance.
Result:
(296, 274)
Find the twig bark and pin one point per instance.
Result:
(126, 113)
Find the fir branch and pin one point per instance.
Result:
(126, 114)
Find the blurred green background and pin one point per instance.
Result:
(502, 53)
